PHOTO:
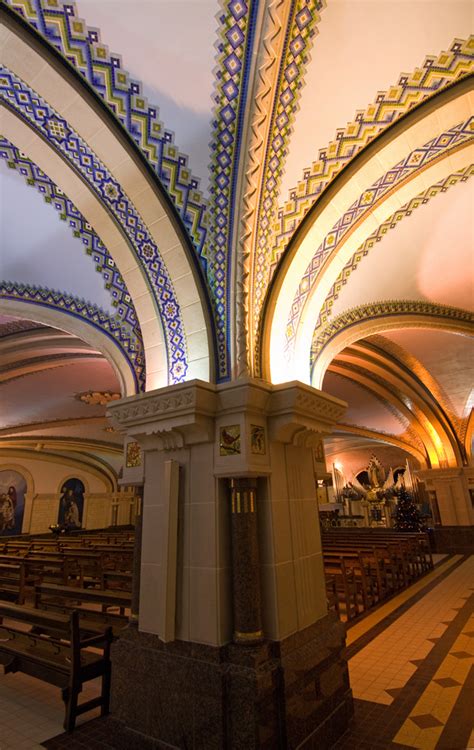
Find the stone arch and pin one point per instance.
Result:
(416, 128)
(186, 338)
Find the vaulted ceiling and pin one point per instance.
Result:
(213, 189)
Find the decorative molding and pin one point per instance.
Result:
(287, 29)
(301, 30)
(130, 347)
(57, 22)
(368, 200)
(391, 223)
(56, 131)
(193, 410)
(435, 74)
(265, 72)
(97, 398)
(387, 309)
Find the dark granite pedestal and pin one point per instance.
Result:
(289, 694)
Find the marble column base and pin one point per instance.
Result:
(289, 694)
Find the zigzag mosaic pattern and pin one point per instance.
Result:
(387, 309)
(408, 167)
(391, 223)
(301, 31)
(388, 107)
(34, 110)
(57, 21)
(54, 196)
(112, 326)
(129, 334)
(235, 43)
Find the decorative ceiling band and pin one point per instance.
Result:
(30, 107)
(57, 22)
(93, 246)
(406, 169)
(112, 326)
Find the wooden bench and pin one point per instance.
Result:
(57, 654)
(13, 581)
(66, 598)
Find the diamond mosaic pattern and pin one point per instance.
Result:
(112, 326)
(389, 106)
(34, 110)
(418, 159)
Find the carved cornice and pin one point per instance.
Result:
(186, 408)
(172, 417)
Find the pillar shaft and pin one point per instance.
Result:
(238, 562)
(246, 596)
(137, 558)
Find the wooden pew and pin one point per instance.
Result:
(67, 598)
(13, 582)
(58, 654)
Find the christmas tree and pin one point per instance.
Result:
(407, 517)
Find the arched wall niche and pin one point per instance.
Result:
(30, 490)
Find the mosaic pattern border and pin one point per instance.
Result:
(391, 223)
(36, 112)
(54, 196)
(57, 22)
(112, 326)
(237, 25)
(435, 74)
(299, 39)
(418, 159)
(388, 308)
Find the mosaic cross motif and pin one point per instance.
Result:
(416, 160)
(112, 326)
(37, 113)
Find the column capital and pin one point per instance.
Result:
(169, 417)
(242, 418)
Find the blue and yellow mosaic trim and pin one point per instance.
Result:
(55, 129)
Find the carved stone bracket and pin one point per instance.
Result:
(194, 412)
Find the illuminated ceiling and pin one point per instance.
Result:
(220, 189)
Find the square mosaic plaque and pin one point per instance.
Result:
(134, 455)
(257, 439)
(229, 443)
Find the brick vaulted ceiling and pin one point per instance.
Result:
(218, 189)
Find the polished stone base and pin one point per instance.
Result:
(291, 694)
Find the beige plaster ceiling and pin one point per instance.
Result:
(363, 47)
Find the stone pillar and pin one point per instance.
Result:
(455, 504)
(137, 557)
(246, 595)
(452, 492)
(231, 677)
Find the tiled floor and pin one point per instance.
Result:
(411, 666)
(413, 680)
